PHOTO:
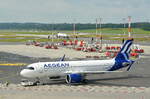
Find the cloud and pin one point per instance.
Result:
(62, 10)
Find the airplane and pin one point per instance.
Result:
(75, 71)
(62, 35)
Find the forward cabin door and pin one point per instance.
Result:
(40, 68)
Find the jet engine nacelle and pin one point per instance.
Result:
(74, 78)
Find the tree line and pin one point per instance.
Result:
(67, 26)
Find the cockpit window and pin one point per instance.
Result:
(31, 68)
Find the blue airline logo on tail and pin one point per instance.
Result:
(125, 50)
(123, 56)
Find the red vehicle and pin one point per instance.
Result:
(134, 54)
(48, 46)
(138, 50)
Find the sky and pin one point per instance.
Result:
(60, 11)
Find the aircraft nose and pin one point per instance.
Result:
(28, 73)
(23, 73)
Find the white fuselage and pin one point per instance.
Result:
(61, 68)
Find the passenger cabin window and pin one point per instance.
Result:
(30, 68)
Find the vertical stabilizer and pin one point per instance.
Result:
(122, 58)
(125, 50)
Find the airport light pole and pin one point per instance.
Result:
(124, 26)
(96, 29)
(100, 28)
(74, 29)
(53, 31)
(129, 26)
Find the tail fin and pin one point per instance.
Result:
(125, 51)
(122, 58)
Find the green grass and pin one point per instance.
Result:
(12, 36)
(135, 39)
(103, 36)
(20, 32)
(25, 40)
(116, 31)
(103, 30)
(9, 36)
(13, 40)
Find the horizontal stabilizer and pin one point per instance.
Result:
(130, 65)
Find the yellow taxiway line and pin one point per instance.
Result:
(12, 64)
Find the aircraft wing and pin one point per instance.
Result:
(90, 72)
